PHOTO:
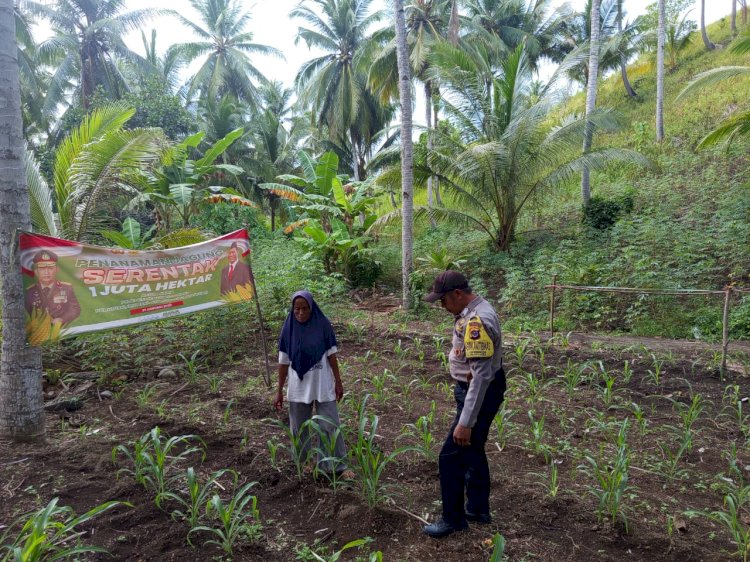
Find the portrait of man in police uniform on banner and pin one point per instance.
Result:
(50, 294)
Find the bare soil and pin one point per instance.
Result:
(75, 463)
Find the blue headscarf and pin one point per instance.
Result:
(305, 344)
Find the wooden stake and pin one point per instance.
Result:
(267, 376)
(552, 307)
(725, 329)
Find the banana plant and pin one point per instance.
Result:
(180, 185)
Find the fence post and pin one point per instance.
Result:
(725, 329)
(552, 307)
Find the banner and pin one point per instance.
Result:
(72, 288)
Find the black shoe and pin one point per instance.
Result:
(442, 528)
(483, 518)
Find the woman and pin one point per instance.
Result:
(307, 358)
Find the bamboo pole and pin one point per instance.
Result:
(725, 329)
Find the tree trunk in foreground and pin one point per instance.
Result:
(21, 400)
(660, 73)
(407, 157)
(588, 134)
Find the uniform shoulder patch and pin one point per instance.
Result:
(477, 342)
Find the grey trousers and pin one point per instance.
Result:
(299, 413)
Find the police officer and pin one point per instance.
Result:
(48, 293)
(476, 365)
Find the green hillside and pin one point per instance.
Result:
(689, 226)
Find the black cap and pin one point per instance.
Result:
(446, 282)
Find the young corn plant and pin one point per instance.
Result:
(421, 432)
(235, 520)
(610, 473)
(573, 376)
(154, 456)
(521, 351)
(400, 352)
(689, 414)
(273, 451)
(368, 460)
(503, 425)
(144, 396)
(379, 384)
(608, 389)
(214, 382)
(536, 443)
(50, 534)
(549, 480)
(734, 518)
(329, 466)
(534, 386)
(498, 548)
(192, 367)
(654, 375)
(627, 373)
(195, 496)
(299, 446)
(669, 466)
(640, 418)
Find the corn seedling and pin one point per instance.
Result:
(144, 396)
(608, 389)
(154, 456)
(654, 375)
(273, 450)
(503, 425)
(536, 443)
(236, 519)
(534, 386)
(379, 382)
(368, 460)
(521, 350)
(573, 376)
(214, 381)
(627, 373)
(549, 480)
(669, 466)
(438, 343)
(419, 348)
(421, 432)
(227, 412)
(734, 519)
(299, 444)
(400, 351)
(640, 418)
(329, 465)
(192, 367)
(611, 479)
(689, 413)
(196, 495)
(50, 534)
(443, 358)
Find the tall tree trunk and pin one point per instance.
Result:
(21, 403)
(436, 121)
(593, 73)
(660, 72)
(623, 63)
(744, 12)
(453, 24)
(430, 145)
(407, 164)
(706, 41)
(733, 18)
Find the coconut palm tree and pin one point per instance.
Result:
(660, 73)
(407, 159)
(506, 24)
(706, 41)
(334, 85)
(735, 126)
(21, 400)
(593, 81)
(87, 42)
(225, 47)
(501, 147)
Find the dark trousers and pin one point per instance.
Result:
(466, 467)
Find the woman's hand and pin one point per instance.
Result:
(339, 389)
(279, 402)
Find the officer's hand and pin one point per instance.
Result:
(279, 402)
(462, 435)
